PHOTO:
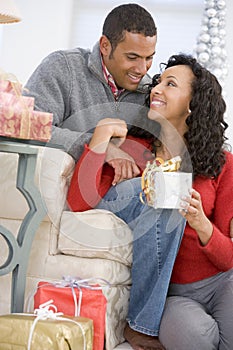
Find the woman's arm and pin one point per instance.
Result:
(215, 233)
(92, 176)
(195, 216)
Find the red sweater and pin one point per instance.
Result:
(93, 177)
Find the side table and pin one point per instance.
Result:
(19, 247)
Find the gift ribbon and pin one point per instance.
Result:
(25, 124)
(88, 283)
(74, 282)
(49, 311)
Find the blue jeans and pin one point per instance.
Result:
(157, 235)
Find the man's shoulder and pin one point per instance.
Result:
(73, 57)
(74, 54)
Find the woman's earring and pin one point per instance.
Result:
(189, 111)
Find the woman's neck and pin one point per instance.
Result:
(172, 142)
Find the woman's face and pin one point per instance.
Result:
(171, 97)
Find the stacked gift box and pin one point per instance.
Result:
(26, 331)
(71, 299)
(18, 119)
(67, 315)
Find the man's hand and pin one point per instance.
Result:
(123, 164)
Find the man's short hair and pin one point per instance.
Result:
(128, 17)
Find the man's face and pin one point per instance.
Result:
(130, 60)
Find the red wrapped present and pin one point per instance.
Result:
(86, 302)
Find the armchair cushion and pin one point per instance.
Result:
(95, 234)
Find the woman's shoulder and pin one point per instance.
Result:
(229, 157)
(228, 166)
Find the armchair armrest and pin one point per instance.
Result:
(54, 170)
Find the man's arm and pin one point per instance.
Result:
(50, 85)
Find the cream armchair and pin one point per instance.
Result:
(89, 244)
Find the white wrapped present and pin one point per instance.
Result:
(163, 185)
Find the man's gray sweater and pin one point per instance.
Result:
(71, 85)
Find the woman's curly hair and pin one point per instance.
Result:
(205, 138)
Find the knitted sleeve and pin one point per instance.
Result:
(91, 180)
(219, 249)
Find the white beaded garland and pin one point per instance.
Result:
(215, 40)
(216, 51)
(204, 29)
(222, 33)
(209, 4)
(221, 4)
(211, 12)
(204, 57)
(214, 22)
(210, 48)
(213, 31)
(201, 47)
(205, 37)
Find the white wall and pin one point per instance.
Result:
(172, 37)
(60, 24)
(46, 26)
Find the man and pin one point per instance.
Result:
(81, 87)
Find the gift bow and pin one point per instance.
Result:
(147, 179)
(93, 283)
(49, 311)
(17, 88)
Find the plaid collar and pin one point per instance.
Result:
(109, 79)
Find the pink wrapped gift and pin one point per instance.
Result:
(25, 124)
(17, 117)
(16, 102)
(41, 126)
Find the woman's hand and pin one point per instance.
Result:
(104, 131)
(195, 216)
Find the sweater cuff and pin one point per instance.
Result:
(91, 152)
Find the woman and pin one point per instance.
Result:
(199, 308)
(186, 101)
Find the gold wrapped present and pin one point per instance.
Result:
(61, 333)
(164, 185)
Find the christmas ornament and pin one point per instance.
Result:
(210, 48)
